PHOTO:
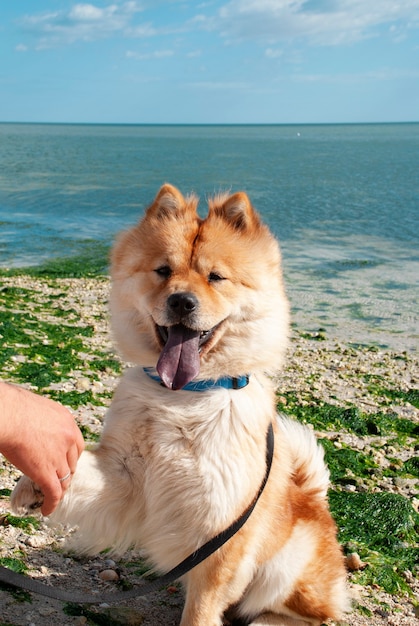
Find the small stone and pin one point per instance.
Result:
(46, 611)
(83, 384)
(409, 576)
(34, 541)
(357, 591)
(124, 615)
(402, 483)
(363, 488)
(354, 563)
(109, 575)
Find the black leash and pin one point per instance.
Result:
(29, 584)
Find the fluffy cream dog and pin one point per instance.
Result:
(203, 300)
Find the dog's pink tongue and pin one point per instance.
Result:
(179, 361)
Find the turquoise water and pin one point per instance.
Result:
(343, 200)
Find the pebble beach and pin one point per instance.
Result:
(362, 402)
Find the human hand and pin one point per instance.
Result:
(40, 437)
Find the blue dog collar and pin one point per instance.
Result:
(227, 382)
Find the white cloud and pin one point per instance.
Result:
(143, 30)
(380, 75)
(321, 22)
(220, 85)
(21, 48)
(156, 54)
(272, 53)
(271, 23)
(89, 13)
(82, 22)
(90, 22)
(194, 54)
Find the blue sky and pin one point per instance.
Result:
(216, 61)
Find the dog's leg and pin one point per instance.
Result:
(26, 498)
(99, 491)
(203, 605)
(213, 586)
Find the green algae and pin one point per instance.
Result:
(99, 616)
(411, 466)
(75, 399)
(384, 529)
(47, 352)
(28, 524)
(91, 260)
(319, 335)
(346, 464)
(16, 565)
(107, 364)
(88, 435)
(411, 396)
(330, 417)
(19, 566)
(42, 351)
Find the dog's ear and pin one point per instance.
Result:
(237, 210)
(170, 203)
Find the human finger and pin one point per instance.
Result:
(72, 458)
(79, 442)
(64, 477)
(53, 492)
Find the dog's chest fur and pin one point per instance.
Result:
(201, 457)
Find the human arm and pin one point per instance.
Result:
(40, 437)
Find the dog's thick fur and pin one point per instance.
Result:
(174, 468)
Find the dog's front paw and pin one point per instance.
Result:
(26, 497)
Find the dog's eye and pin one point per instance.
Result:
(214, 277)
(164, 271)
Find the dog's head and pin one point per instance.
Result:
(199, 298)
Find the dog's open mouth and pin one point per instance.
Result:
(178, 363)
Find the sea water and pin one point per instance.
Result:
(342, 199)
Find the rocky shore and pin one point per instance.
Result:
(362, 402)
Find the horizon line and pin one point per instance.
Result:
(38, 123)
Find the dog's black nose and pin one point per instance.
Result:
(182, 303)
